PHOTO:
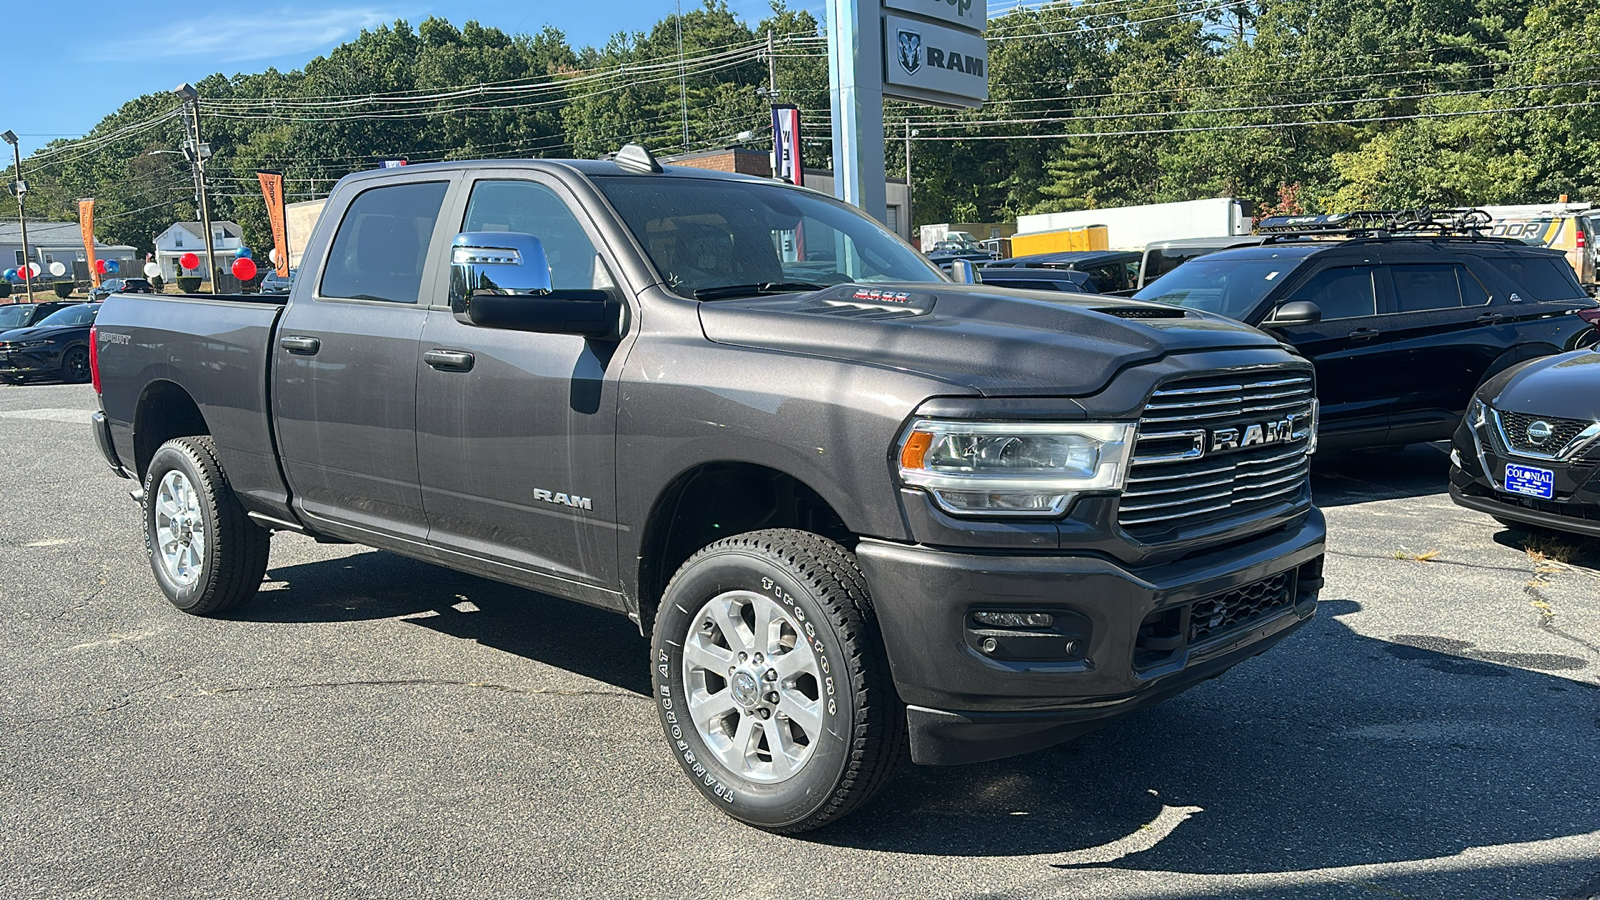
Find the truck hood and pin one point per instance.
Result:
(998, 342)
(1566, 385)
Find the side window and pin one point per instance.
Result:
(1537, 277)
(1342, 293)
(381, 245)
(1426, 286)
(529, 208)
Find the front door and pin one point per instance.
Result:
(516, 430)
(1347, 347)
(344, 368)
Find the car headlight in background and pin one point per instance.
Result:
(1013, 468)
(29, 345)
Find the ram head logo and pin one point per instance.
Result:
(910, 51)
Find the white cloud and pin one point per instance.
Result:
(257, 34)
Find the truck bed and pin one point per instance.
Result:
(216, 349)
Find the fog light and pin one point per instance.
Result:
(1014, 620)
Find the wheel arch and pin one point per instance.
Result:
(714, 500)
(165, 411)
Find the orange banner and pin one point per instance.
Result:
(86, 223)
(272, 192)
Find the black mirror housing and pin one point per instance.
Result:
(594, 314)
(1295, 312)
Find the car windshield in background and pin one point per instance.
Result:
(72, 315)
(1538, 277)
(1229, 286)
(703, 235)
(13, 316)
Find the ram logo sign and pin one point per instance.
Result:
(910, 51)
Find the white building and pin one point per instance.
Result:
(190, 237)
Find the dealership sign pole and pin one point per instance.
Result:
(920, 51)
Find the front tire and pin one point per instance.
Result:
(206, 554)
(770, 681)
(75, 365)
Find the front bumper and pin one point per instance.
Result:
(29, 362)
(1123, 639)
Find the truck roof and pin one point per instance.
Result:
(589, 167)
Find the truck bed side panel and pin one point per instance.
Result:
(217, 352)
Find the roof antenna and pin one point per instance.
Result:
(636, 158)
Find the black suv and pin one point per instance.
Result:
(1402, 327)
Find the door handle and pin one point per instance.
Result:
(449, 360)
(303, 346)
(1490, 319)
(1363, 334)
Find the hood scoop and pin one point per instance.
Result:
(1143, 312)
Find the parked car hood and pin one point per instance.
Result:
(39, 332)
(999, 342)
(1566, 385)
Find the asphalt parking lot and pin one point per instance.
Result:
(376, 727)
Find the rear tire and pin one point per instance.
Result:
(206, 554)
(770, 681)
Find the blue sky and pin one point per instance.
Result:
(100, 54)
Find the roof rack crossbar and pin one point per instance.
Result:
(1410, 221)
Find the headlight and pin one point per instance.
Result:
(1478, 413)
(1013, 468)
(29, 345)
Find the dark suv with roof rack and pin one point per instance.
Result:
(1403, 315)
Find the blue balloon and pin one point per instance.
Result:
(112, 266)
(11, 274)
(244, 253)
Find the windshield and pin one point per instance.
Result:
(72, 315)
(1230, 287)
(702, 234)
(13, 316)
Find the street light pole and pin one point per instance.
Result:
(197, 153)
(909, 132)
(22, 214)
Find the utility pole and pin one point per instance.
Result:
(197, 153)
(909, 133)
(772, 70)
(22, 214)
(683, 80)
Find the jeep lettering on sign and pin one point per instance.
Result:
(970, 14)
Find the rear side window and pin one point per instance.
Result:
(382, 243)
(1426, 286)
(1537, 277)
(1342, 293)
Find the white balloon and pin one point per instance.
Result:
(151, 269)
(58, 269)
(33, 269)
(273, 255)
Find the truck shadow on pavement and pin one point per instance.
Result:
(1334, 750)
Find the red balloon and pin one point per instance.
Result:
(244, 269)
(100, 266)
(189, 261)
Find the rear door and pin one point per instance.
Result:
(345, 363)
(516, 431)
(1445, 336)
(1355, 386)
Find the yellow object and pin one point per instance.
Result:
(1090, 237)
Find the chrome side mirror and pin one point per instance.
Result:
(962, 271)
(497, 263)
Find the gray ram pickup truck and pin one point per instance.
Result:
(850, 502)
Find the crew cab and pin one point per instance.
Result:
(844, 498)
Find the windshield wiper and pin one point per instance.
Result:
(725, 291)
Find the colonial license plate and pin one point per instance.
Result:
(1529, 481)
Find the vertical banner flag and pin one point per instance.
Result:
(786, 160)
(86, 224)
(272, 192)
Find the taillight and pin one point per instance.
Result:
(1592, 316)
(94, 358)
(1583, 239)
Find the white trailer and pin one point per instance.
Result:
(1132, 227)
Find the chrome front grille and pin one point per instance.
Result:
(1217, 448)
